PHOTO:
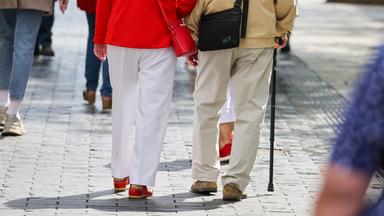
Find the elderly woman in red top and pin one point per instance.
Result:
(142, 66)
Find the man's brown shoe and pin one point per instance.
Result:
(89, 96)
(232, 192)
(204, 187)
(107, 103)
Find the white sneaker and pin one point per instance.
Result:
(3, 114)
(13, 126)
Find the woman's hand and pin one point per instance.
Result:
(100, 51)
(63, 4)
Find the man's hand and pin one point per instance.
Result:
(284, 41)
(63, 4)
(192, 60)
(100, 51)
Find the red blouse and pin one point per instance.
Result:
(137, 23)
(87, 5)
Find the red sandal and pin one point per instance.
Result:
(120, 184)
(142, 193)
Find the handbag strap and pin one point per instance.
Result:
(165, 15)
(238, 3)
(244, 19)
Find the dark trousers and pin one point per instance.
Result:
(93, 64)
(44, 37)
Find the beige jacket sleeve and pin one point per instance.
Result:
(193, 19)
(286, 12)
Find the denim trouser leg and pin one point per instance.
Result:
(92, 63)
(44, 37)
(45, 32)
(7, 32)
(25, 30)
(106, 89)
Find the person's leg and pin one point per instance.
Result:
(27, 25)
(45, 34)
(250, 83)
(124, 78)
(106, 89)
(227, 123)
(213, 73)
(156, 78)
(92, 63)
(227, 119)
(26, 28)
(226, 130)
(7, 31)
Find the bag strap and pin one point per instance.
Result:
(244, 19)
(165, 15)
(238, 3)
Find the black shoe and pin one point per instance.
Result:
(47, 51)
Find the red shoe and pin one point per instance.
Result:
(120, 184)
(225, 152)
(142, 193)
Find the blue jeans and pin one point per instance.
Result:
(92, 63)
(44, 37)
(18, 32)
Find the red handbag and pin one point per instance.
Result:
(182, 41)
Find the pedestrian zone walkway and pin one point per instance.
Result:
(62, 165)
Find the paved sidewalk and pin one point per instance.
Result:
(336, 39)
(62, 165)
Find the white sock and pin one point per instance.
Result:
(4, 98)
(14, 108)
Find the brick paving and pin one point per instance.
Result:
(62, 165)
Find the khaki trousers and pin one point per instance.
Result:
(250, 71)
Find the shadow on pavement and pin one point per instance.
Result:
(106, 200)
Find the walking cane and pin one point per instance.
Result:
(273, 109)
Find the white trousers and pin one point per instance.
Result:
(142, 82)
(227, 113)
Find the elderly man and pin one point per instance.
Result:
(249, 66)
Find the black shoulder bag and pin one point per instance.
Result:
(221, 30)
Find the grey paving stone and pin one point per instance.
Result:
(62, 166)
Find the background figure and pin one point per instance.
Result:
(92, 63)
(358, 151)
(19, 24)
(44, 37)
(227, 123)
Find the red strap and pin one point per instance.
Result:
(163, 12)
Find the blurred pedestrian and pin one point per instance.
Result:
(92, 63)
(19, 24)
(358, 150)
(136, 39)
(44, 37)
(226, 126)
(249, 67)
